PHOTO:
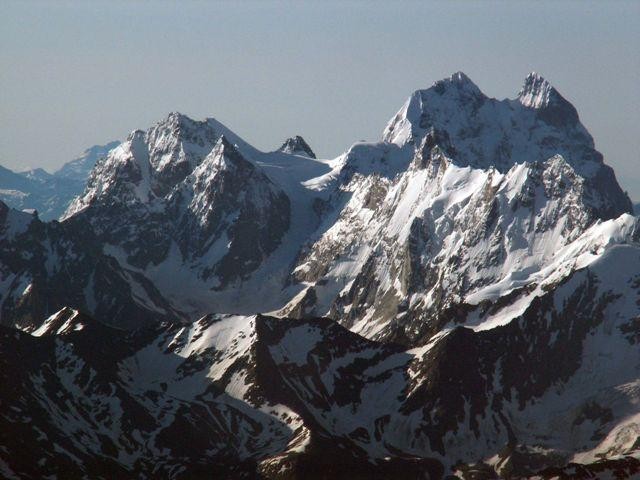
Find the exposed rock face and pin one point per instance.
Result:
(439, 234)
(297, 146)
(227, 195)
(466, 195)
(47, 266)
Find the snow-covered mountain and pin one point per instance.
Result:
(80, 168)
(50, 194)
(461, 296)
(182, 194)
(486, 132)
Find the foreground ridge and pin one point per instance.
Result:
(273, 398)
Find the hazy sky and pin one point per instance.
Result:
(74, 74)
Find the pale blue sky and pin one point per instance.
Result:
(73, 74)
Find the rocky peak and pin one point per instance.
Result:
(434, 147)
(227, 155)
(186, 129)
(223, 158)
(178, 120)
(538, 94)
(297, 146)
(177, 145)
(153, 162)
(225, 174)
(136, 135)
(458, 83)
(483, 132)
(536, 91)
(228, 201)
(179, 125)
(447, 101)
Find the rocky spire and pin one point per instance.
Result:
(538, 94)
(298, 146)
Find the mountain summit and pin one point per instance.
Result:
(297, 145)
(552, 107)
(538, 93)
(486, 132)
(286, 232)
(458, 298)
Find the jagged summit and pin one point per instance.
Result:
(223, 145)
(297, 146)
(187, 129)
(461, 78)
(223, 155)
(457, 103)
(178, 117)
(459, 81)
(484, 132)
(450, 99)
(537, 92)
(180, 120)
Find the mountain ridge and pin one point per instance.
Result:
(50, 193)
(138, 186)
(458, 298)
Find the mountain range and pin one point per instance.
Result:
(460, 299)
(50, 193)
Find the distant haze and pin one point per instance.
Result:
(74, 74)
